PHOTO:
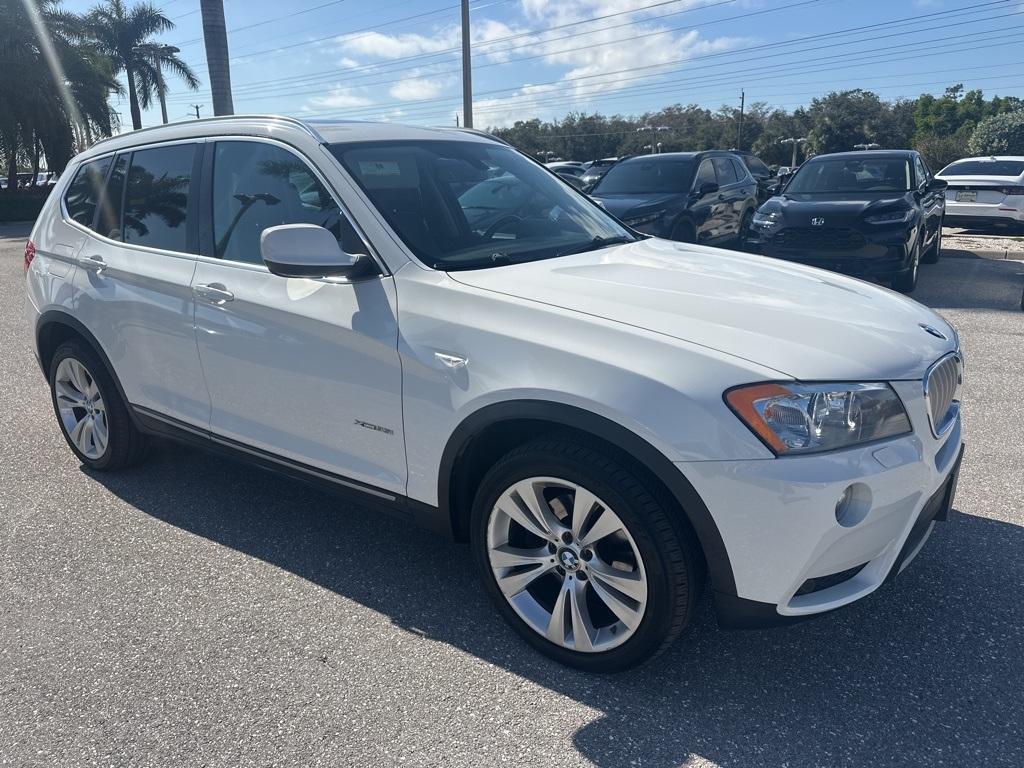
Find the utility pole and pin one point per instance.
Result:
(467, 74)
(739, 127)
(795, 142)
(196, 108)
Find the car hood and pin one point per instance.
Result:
(838, 211)
(623, 206)
(803, 322)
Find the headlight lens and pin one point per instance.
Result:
(647, 218)
(767, 220)
(809, 418)
(890, 217)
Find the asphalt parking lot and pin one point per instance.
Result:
(194, 611)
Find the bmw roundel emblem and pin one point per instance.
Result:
(817, 222)
(933, 331)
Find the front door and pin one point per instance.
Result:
(303, 369)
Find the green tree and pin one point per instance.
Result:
(53, 86)
(164, 57)
(999, 135)
(842, 120)
(125, 35)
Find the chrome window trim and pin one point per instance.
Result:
(950, 417)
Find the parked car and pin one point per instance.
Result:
(875, 214)
(693, 197)
(767, 180)
(596, 170)
(607, 418)
(984, 192)
(570, 167)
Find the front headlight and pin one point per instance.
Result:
(808, 418)
(890, 217)
(767, 221)
(647, 218)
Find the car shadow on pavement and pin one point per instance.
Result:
(963, 280)
(928, 671)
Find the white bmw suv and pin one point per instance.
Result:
(435, 323)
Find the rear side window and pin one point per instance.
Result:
(85, 190)
(258, 185)
(725, 170)
(156, 197)
(757, 168)
(705, 175)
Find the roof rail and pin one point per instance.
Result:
(220, 118)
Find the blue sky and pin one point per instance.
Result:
(399, 59)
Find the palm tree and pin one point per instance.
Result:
(160, 57)
(123, 35)
(53, 86)
(216, 39)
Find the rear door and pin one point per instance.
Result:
(134, 278)
(732, 192)
(305, 370)
(707, 210)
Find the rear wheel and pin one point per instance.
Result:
(91, 414)
(906, 281)
(580, 558)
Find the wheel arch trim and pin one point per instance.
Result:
(562, 415)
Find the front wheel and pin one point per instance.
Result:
(906, 281)
(584, 561)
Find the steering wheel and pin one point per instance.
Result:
(507, 218)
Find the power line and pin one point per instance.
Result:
(687, 60)
(687, 67)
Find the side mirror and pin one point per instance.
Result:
(306, 250)
(707, 188)
(937, 185)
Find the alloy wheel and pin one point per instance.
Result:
(566, 564)
(81, 408)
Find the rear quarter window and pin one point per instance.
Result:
(84, 192)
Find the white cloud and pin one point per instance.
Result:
(383, 46)
(339, 97)
(414, 88)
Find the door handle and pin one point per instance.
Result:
(215, 293)
(94, 264)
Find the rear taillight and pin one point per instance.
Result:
(1012, 190)
(30, 253)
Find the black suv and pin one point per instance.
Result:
(695, 197)
(875, 214)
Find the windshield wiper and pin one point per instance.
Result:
(596, 244)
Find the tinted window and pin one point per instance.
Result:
(85, 190)
(643, 176)
(705, 175)
(258, 185)
(156, 197)
(109, 222)
(757, 168)
(474, 204)
(741, 169)
(725, 170)
(984, 168)
(851, 175)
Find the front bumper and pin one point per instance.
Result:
(879, 255)
(790, 557)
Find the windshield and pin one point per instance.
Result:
(845, 175)
(984, 168)
(469, 205)
(641, 177)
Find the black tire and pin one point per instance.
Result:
(126, 445)
(671, 555)
(933, 254)
(683, 232)
(906, 281)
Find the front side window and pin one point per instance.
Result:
(919, 169)
(157, 192)
(853, 176)
(471, 205)
(85, 190)
(258, 185)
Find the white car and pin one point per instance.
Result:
(610, 420)
(984, 192)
